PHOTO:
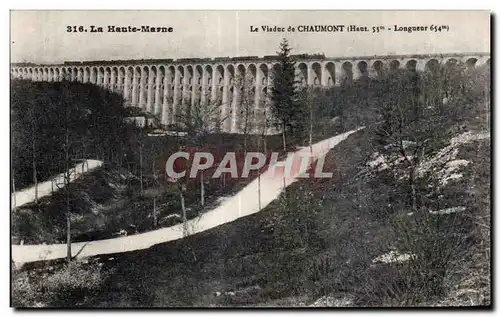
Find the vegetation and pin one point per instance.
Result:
(72, 284)
(285, 108)
(50, 120)
(391, 228)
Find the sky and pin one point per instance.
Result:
(42, 37)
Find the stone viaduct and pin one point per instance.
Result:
(165, 86)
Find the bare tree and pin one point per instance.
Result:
(33, 138)
(264, 123)
(155, 177)
(14, 191)
(180, 184)
(307, 95)
(140, 166)
(69, 120)
(203, 119)
(65, 187)
(246, 107)
(67, 183)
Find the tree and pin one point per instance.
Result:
(34, 123)
(69, 119)
(421, 112)
(202, 120)
(308, 97)
(14, 191)
(263, 141)
(285, 108)
(247, 107)
(67, 190)
(180, 184)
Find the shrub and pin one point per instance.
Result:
(434, 248)
(62, 288)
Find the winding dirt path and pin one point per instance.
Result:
(27, 195)
(244, 203)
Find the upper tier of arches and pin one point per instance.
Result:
(311, 72)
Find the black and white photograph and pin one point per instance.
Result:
(250, 159)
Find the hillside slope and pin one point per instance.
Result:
(361, 218)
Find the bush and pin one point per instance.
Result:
(434, 248)
(62, 288)
(296, 226)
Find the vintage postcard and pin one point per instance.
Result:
(250, 158)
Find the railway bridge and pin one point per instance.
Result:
(165, 86)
